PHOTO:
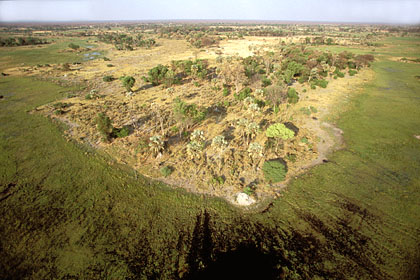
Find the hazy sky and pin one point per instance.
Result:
(383, 11)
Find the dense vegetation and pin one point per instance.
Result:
(21, 41)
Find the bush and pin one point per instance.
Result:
(73, 46)
(217, 180)
(244, 93)
(279, 130)
(103, 123)
(128, 82)
(121, 132)
(166, 170)
(266, 82)
(107, 78)
(274, 170)
(106, 59)
(156, 75)
(292, 96)
(322, 83)
(352, 72)
(226, 91)
(109, 65)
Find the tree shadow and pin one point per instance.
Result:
(292, 127)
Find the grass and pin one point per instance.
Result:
(50, 54)
(68, 211)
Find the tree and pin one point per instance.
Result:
(156, 75)
(279, 131)
(275, 94)
(128, 82)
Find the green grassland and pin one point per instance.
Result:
(69, 212)
(43, 54)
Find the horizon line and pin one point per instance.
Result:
(204, 21)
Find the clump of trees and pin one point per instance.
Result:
(22, 41)
(126, 42)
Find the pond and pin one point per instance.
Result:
(92, 55)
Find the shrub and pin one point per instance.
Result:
(166, 170)
(322, 83)
(217, 180)
(73, 46)
(106, 59)
(313, 86)
(274, 170)
(279, 130)
(60, 105)
(109, 65)
(107, 78)
(352, 72)
(121, 132)
(58, 112)
(244, 93)
(103, 123)
(306, 111)
(292, 96)
(313, 109)
(226, 91)
(156, 75)
(189, 111)
(266, 82)
(128, 82)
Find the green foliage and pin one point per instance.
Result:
(266, 82)
(249, 190)
(60, 105)
(58, 112)
(339, 73)
(226, 91)
(104, 126)
(307, 111)
(352, 72)
(73, 46)
(108, 78)
(313, 109)
(321, 83)
(121, 132)
(244, 93)
(189, 111)
(128, 82)
(274, 171)
(159, 75)
(109, 65)
(292, 96)
(166, 170)
(217, 180)
(279, 130)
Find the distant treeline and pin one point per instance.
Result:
(21, 41)
(126, 42)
